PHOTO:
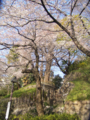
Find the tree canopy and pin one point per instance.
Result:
(46, 34)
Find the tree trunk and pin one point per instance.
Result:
(41, 73)
(39, 104)
(47, 72)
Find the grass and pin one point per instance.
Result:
(63, 116)
(81, 91)
(22, 91)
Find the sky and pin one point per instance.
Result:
(57, 71)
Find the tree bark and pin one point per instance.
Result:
(41, 71)
(80, 47)
(39, 104)
(47, 72)
(41, 75)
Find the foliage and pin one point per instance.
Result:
(78, 26)
(68, 63)
(57, 81)
(52, 117)
(12, 56)
(76, 65)
(31, 78)
(20, 82)
(3, 106)
(22, 91)
(3, 92)
(81, 82)
(28, 79)
(16, 86)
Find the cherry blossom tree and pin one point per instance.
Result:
(26, 41)
(33, 35)
(56, 10)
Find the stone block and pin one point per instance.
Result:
(75, 102)
(72, 107)
(86, 116)
(77, 109)
(87, 106)
(84, 102)
(83, 110)
(82, 117)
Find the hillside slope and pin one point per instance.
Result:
(81, 80)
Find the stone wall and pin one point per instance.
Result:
(82, 108)
(64, 90)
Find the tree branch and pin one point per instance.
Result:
(84, 25)
(72, 8)
(55, 19)
(84, 7)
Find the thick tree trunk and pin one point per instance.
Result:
(47, 72)
(41, 72)
(39, 104)
(41, 76)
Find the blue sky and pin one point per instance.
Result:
(57, 71)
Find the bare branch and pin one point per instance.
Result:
(84, 7)
(58, 23)
(72, 8)
(84, 25)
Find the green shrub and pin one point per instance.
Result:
(3, 107)
(63, 116)
(57, 81)
(21, 92)
(3, 92)
(57, 117)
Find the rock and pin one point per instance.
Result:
(81, 108)
(47, 107)
(17, 111)
(87, 106)
(58, 110)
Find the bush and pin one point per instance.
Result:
(79, 64)
(3, 107)
(63, 116)
(57, 117)
(3, 92)
(28, 79)
(57, 81)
